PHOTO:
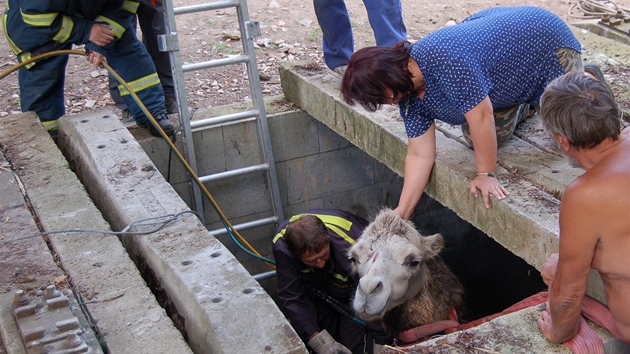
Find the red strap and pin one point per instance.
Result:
(600, 314)
(587, 341)
(533, 300)
(417, 333)
(428, 329)
(154, 2)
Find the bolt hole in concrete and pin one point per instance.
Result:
(101, 146)
(84, 120)
(124, 141)
(248, 291)
(555, 171)
(215, 254)
(186, 263)
(216, 300)
(493, 277)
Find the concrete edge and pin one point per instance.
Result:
(206, 287)
(120, 302)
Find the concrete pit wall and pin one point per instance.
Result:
(212, 299)
(316, 168)
(319, 168)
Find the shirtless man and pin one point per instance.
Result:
(582, 117)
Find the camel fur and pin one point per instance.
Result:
(403, 282)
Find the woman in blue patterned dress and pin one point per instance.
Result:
(484, 74)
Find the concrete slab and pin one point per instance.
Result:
(26, 263)
(212, 298)
(121, 306)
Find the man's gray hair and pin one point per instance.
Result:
(581, 108)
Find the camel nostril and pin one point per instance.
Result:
(369, 286)
(378, 287)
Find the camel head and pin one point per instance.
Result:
(390, 259)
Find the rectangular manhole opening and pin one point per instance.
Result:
(493, 277)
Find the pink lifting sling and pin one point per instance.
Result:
(585, 342)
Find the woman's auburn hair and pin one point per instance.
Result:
(373, 70)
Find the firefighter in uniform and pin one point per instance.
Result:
(150, 17)
(34, 27)
(313, 271)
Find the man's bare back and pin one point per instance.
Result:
(610, 178)
(581, 115)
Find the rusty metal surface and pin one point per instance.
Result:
(51, 321)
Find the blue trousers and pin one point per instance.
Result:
(385, 18)
(152, 24)
(42, 86)
(130, 59)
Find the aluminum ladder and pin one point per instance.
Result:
(248, 30)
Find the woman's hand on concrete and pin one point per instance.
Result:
(488, 186)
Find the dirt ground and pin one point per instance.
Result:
(289, 32)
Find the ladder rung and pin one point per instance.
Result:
(215, 63)
(246, 225)
(256, 114)
(215, 5)
(227, 118)
(234, 173)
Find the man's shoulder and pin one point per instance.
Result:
(605, 181)
(584, 187)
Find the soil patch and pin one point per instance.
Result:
(289, 32)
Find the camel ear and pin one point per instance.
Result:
(432, 245)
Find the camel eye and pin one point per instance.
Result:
(414, 263)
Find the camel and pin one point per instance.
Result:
(403, 282)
